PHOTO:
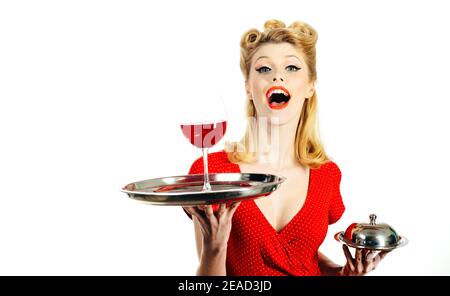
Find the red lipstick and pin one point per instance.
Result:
(277, 97)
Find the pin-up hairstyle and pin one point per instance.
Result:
(308, 147)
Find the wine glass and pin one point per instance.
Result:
(204, 124)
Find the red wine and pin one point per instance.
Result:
(204, 135)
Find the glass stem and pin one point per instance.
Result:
(206, 185)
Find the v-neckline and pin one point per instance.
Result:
(283, 230)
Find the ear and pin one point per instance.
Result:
(247, 90)
(311, 89)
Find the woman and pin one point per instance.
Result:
(279, 234)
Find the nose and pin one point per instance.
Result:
(280, 78)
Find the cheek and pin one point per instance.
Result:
(258, 84)
(301, 87)
(258, 87)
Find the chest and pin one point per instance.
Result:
(281, 206)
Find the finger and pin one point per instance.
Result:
(195, 211)
(233, 208)
(222, 209)
(349, 258)
(199, 215)
(234, 205)
(376, 261)
(203, 225)
(368, 260)
(377, 252)
(368, 266)
(365, 253)
(383, 254)
(370, 256)
(192, 209)
(209, 211)
(188, 210)
(359, 264)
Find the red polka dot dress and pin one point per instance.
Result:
(256, 248)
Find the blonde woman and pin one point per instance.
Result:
(280, 234)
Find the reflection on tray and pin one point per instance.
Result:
(197, 187)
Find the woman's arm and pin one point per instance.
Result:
(212, 260)
(212, 231)
(327, 266)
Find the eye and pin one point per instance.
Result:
(263, 69)
(292, 68)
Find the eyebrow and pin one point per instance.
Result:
(288, 56)
(261, 57)
(294, 56)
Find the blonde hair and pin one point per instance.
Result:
(308, 147)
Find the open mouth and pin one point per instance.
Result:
(277, 97)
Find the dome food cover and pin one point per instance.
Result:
(371, 236)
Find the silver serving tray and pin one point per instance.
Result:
(187, 189)
(402, 241)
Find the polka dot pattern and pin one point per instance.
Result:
(256, 248)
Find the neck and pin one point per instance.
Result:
(275, 144)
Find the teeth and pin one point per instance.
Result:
(277, 91)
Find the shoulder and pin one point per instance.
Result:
(336, 205)
(330, 169)
(217, 162)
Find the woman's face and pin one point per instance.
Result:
(278, 82)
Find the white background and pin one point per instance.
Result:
(88, 103)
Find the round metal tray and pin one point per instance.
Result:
(187, 189)
(340, 238)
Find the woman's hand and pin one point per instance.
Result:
(215, 227)
(364, 261)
